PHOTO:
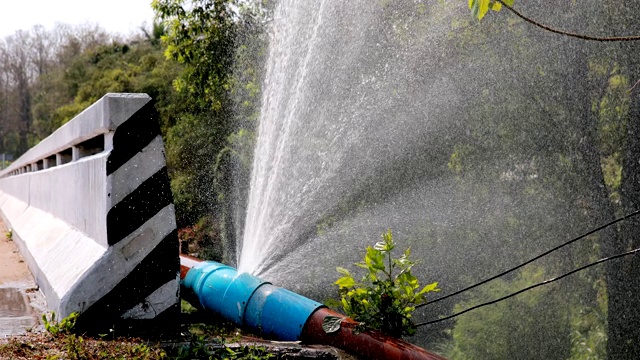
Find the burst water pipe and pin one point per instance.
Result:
(277, 313)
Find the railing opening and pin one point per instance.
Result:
(64, 157)
(90, 147)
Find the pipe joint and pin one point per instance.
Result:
(220, 288)
(250, 301)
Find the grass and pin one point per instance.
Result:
(70, 346)
(198, 341)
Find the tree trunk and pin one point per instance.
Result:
(624, 279)
(24, 111)
(624, 297)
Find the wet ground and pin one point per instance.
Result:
(21, 303)
(16, 315)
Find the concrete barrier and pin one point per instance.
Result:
(91, 210)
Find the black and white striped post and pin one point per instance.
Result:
(91, 210)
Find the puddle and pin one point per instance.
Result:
(16, 315)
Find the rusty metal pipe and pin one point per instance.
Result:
(369, 344)
(273, 312)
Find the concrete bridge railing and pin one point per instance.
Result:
(91, 210)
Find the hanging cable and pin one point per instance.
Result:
(566, 33)
(549, 281)
(533, 259)
(531, 287)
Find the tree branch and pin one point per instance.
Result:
(566, 33)
(634, 85)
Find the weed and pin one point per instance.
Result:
(200, 348)
(65, 326)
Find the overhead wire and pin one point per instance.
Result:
(627, 216)
(567, 33)
(529, 287)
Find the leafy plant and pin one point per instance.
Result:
(387, 294)
(250, 352)
(65, 326)
(75, 347)
(200, 348)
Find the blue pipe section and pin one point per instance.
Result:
(249, 301)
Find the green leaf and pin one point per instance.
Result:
(331, 324)
(345, 282)
(374, 259)
(380, 246)
(369, 256)
(345, 305)
(343, 271)
(388, 240)
(429, 288)
(479, 8)
(475, 7)
(359, 291)
(483, 8)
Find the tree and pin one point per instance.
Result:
(218, 89)
(622, 277)
(18, 67)
(200, 36)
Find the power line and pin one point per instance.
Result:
(530, 287)
(533, 259)
(566, 33)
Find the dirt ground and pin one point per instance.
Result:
(13, 269)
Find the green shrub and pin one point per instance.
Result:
(387, 295)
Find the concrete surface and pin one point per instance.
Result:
(21, 303)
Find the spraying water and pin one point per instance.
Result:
(319, 138)
(462, 137)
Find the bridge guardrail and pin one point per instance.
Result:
(91, 210)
